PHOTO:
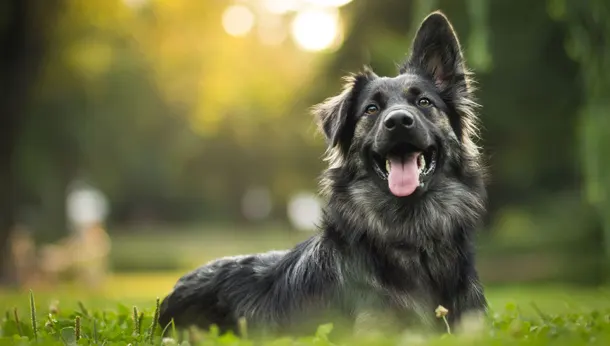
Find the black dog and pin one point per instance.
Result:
(405, 192)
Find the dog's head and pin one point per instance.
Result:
(406, 132)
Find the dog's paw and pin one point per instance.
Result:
(472, 324)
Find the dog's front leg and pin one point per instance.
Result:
(469, 308)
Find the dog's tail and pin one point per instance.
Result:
(191, 302)
(172, 307)
(175, 304)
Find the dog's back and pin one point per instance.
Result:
(206, 295)
(266, 289)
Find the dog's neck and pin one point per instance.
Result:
(359, 235)
(420, 222)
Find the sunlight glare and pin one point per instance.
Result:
(315, 30)
(282, 6)
(237, 20)
(329, 3)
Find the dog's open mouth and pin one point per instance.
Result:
(405, 167)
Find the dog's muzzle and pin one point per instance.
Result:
(404, 153)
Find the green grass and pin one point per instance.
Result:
(559, 316)
(534, 315)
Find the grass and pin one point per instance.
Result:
(123, 313)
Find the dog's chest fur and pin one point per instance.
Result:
(400, 283)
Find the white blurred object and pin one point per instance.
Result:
(304, 211)
(256, 203)
(86, 249)
(328, 3)
(285, 6)
(86, 206)
(316, 29)
(282, 6)
(237, 20)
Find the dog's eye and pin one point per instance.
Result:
(424, 102)
(371, 109)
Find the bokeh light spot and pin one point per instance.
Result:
(315, 30)
(282, 6)
(237, 20)
(304, 211)
(329, 3)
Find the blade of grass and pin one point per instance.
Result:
(95, 331)
(153, 325)
(542, 315)
(174, 335)
(33, 315)
(136, 322)
(83, 309)
(77, 331)
(140, 320)
(16, 315)
(166, 327)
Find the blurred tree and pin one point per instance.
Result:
(147, 102)
(588, 42)
(239, 94)
(23, 28)
(173, 118)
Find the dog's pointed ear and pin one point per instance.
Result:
(334, 115)
(436, 51)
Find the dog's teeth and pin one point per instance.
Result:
(387, 166)
(422, 161)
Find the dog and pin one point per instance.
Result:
(405, 192)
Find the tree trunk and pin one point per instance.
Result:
(22, 42)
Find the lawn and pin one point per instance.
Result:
(141, 289)
(534, 315)
(570, 315)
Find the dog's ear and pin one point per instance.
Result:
(335, 115)
(436, 51)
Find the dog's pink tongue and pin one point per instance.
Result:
(404, 177)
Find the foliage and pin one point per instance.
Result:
(173, 119)
(163, 111)
(587, 42)
(141, 101)
(59, 325)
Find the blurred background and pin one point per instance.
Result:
(141, 138)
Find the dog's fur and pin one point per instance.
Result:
(378, 257)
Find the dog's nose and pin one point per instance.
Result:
(399, 119)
